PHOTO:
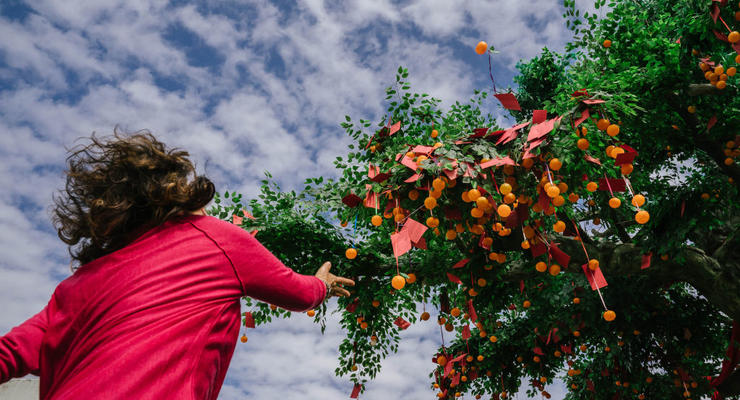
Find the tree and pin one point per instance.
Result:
(519, 219)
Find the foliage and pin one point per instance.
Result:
(672, 318)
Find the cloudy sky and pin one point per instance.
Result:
(245, 86)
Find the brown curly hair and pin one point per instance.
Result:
(121, 185)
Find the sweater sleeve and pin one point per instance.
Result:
(265, 278)
(20, 348)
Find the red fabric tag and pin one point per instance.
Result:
(414, 229)
(460, 263)
(401, 243)
(560, 256)
(509, 101)
(538, 351)
(538, 249)
(351, 200)
(616, 185)
(236, 220)
(595, 278)
(454, 278)
(248, 320)
(539, 116)
(584, 115)
(479, 132)
(591, 159)
(401, 323)
(471, 311)
(542, 129)
(355, 391)
(466, 332)
(593, 101)
(646, 260)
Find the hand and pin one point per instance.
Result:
(335, 282)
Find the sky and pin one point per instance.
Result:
(245, 87)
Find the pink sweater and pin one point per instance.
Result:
(158, 319)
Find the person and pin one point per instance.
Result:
(152, 308)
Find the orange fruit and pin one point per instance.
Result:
(450, 234)
(434, 133)
(593, 264)
(398, 282)
(441, 361)
(504, 210)
(555, 164)
(449, 327)
(473, 194)
(721, 85)
(424, 316)
(552, 191)
(455, 312)
(638, 200)
(719, 70)
(376, 220)
(527, 304)
(577, 300)
(432, 222)
(493, 339)
(435, 193)
(554, 269)
(737, 59)
(734, 37)
(413, 194)
(626, 169)
(476, 212)
(559, 227)
(731, 71)
(609, 315)
(592, 186)
(614, 202)
(438, 184)
(573, 197)
(505, 189)
(481, 47)
(525, 245)
(509, 198)
(541, 266)
(558, 201)
(612, 130)
(642, 217)
(375, 303)
(482, 203)
(411, 278)
(607, 43)
(479, 358)
(602, 124)
(344, 224)
(582, 144)
(351, 253)
(465, 197)
(244, 339)
(481, 282)
(430, 203)
(691, 109)
(310, 313)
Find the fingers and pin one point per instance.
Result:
(340, 291)
(345, 281)
(325, 267)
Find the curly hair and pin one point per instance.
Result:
(121, 185)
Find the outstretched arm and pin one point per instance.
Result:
(20, 348)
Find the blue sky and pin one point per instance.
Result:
(246, 87)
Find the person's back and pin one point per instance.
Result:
(156, 318)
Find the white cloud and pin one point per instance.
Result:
(275, 103)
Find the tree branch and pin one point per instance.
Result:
(714, 281)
